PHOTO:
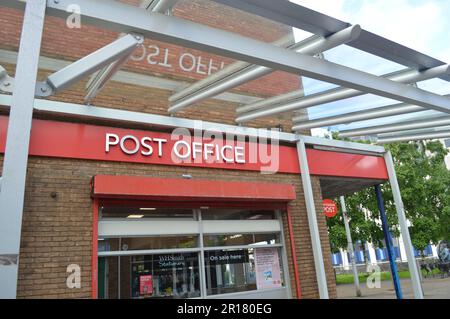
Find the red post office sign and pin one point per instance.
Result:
(329, 208)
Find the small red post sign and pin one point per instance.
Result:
(329, 208)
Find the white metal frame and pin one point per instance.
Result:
(12, 187)
(312, 220)
(295, 101)
(234, 75)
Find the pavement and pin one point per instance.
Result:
(433, 288)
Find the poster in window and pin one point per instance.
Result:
(267, 266)
(145, 285)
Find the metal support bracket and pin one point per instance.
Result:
(99, 80)
(6, 81)
(43, 89)
(111, 57)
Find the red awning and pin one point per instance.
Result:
(137, 187)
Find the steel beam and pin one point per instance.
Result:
(430, 135)
(160, 6)
(289, 13)
(312, 220)
(230, 70)
(423, 122)
(340, 93)
(336, 94)
(115, 16)
(412, 265)
(17, 142)
(310, 46)
(416, 131)
(378, 112)
(99, 80)
(104, 56)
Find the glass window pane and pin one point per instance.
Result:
(149, 276)
(240, 239)
(159, 242)
(229, 271)
(165, 276)
(143, 243)
(240, 214)
(136, 213)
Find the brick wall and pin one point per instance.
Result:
(57, 231)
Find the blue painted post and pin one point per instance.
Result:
(389, 244)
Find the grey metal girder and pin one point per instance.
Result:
(310, 46)
(12, 188)
(336, 94)
(422, 122)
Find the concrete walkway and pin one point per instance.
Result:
(433, 288)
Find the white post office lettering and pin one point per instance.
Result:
(130, 144)
(185, 150)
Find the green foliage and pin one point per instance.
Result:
(342, 279)
(425, 187)
(385, 275)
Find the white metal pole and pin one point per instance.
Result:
(16, 151)
(350, 247)
(413, 270)
(312, 220)
(203, 287)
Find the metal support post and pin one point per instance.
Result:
(17, 142)
(312, 220)
(389, 244)
(350, 247)
(413, 270)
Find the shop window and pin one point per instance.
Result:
(237, 214)
(240, 239)
(165, 276)
(238, 270)
(151, 242)
(152, 276)
(168, 266)
(138, 213)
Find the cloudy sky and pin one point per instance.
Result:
(423, 25)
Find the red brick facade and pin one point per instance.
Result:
(57, 220)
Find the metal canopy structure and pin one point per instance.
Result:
(256, 58)
(289, 13)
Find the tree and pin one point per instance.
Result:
(425, 187)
